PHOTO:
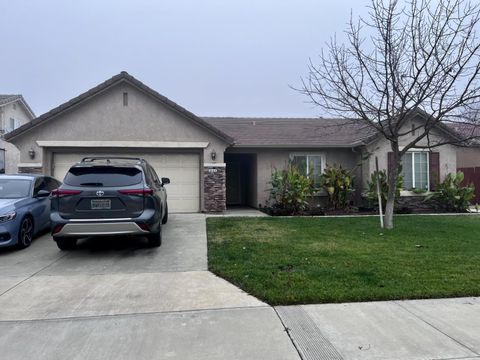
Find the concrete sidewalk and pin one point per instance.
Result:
(416, 329)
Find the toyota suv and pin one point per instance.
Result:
(108, 196)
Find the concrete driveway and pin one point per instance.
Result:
(116, 299)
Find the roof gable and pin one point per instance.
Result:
(8, 99)
(121, 77)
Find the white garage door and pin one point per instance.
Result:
(182, 169)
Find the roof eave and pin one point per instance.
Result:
(299, 146)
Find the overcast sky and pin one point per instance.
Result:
(215, 57)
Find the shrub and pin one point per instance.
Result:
(371, 193)
(290, 190)
(451, 195)
(338, 183)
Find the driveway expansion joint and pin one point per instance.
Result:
(34, 274)
(150, 313)
(307, 338)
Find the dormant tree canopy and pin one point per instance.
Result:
(407, 58)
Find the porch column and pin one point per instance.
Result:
(214, 189)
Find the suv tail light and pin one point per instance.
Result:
(57, 229)
(137, 192)
(61, 192)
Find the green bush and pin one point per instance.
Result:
(451, 195)
(338, 183)
(290, 190)
(371, 192)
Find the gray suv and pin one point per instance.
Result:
(107, 196)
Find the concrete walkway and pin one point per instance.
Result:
(116, 299)
(240, 212)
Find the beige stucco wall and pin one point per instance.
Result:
(12, 154)
(104, 117)
(381, 147)
(270, 159)
(468, 157)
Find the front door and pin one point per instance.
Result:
(234, 189)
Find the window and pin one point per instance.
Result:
(52, 183)
(103, 176)
(310, 165)
(415, 170)
(153, 175)
(40, 184)
(14, 189)
(125, 99)
(12, 125)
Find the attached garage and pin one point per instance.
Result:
(183, 169)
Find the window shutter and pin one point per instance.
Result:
(434, 170)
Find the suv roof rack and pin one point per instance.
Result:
(108, 158)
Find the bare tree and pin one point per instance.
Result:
(405, 58)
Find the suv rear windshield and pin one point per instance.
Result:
(103, 176)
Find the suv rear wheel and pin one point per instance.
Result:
(66, 243)
(155, 239)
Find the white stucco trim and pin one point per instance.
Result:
(416, 149)
(124, 144)
(214, 164)
(39, 165)
(411, 193)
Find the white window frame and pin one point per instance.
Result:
(310, 153)
(413, 151)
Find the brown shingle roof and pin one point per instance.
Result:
(291, 132)
(467, 130)
(8, 98)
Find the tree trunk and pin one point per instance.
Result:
(392, 187)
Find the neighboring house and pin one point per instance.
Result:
(14, 112)
(212, 162)
(468, 158)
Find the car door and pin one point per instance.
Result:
(157, 186)
(41, 205)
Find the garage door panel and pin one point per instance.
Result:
(176, 189)
(182, 169)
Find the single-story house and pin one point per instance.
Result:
(14, 112)
(212, 162)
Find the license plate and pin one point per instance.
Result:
(101, 204)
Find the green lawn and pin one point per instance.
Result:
(319, 260)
